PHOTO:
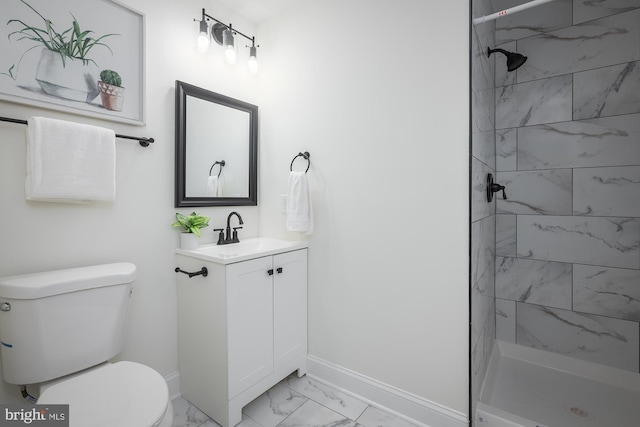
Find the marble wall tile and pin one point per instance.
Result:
(607, 91)
(612, 292)
(483, 147)
(506, 235)
(609, 141)
(480, 208)
(536, 282)
(613, 191)
(506, 320)
(544, 192)
(586, 10)
(597, 339)
(506, 150)
(536, 102)
(540, 19)
(593, 44)
(482, 302)
(482, 247)
(483, 114)
(603, 241)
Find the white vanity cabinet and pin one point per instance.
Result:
(241, 329)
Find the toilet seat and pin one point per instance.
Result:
(123, 394)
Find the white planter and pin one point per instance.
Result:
(73, 80)
(188, 241)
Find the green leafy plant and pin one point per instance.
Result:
(111, 77)
(192, 223)
(72, 43)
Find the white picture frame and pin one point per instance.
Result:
(27, 65)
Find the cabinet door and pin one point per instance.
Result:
(250, 323)
(290, 305)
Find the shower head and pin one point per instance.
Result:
(514, 59)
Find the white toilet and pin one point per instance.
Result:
(58, 329)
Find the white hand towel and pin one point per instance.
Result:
(214, 186)
(299, 211)
(69, 162)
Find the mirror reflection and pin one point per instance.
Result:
(216, 146)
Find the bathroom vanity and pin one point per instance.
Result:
(243, 327)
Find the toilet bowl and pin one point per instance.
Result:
(123, 394)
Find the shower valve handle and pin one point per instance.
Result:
(497, 187)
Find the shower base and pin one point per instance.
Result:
(526, 387)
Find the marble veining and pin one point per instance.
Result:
(607, 91)
(506, 150)
(610, 141)
(536, 282)
(586, 10)
(598, 339)
(544, 192)
(541, 19)
(314, 405)
(541, 101)
(506, 320)
(594, 44)
(606, 291)
(607, 241)
(613, 191)
(506, 243)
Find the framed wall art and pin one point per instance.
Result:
(80, 56)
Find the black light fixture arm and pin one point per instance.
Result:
(229, 27)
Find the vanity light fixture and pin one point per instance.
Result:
(224, 35)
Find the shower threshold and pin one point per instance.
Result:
(526, 387)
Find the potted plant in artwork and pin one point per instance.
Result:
(65, 68)
(111, 90)
(190, 226)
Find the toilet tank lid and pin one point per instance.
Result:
(48, 283)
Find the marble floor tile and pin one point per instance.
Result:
(187, 415)
(312, 414)
(333, 399)
(272, 407)
(283, 406)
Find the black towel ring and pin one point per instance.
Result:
(306, 156)
(221, 163)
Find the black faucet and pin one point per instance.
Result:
(230, 238)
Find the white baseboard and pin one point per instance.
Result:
(405, 405)
(173, 382)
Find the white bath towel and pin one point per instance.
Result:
(299, 211)
(69, 162)
(214, 186)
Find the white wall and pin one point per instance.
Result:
(383, 112)
(136, 227)
(377, 92)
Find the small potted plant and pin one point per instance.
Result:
(191, 226)
(111, 90)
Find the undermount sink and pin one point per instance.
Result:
(246, 249)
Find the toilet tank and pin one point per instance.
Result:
(59, 322)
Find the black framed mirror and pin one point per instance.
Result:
(216, 149)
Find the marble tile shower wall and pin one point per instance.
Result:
(567, 270)
(483, 161)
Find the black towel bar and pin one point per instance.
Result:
(306, 156)
(142, 140)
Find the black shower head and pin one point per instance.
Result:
(514, 59)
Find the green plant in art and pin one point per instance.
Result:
(192, 223)
(72, 43)
(111, 77)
